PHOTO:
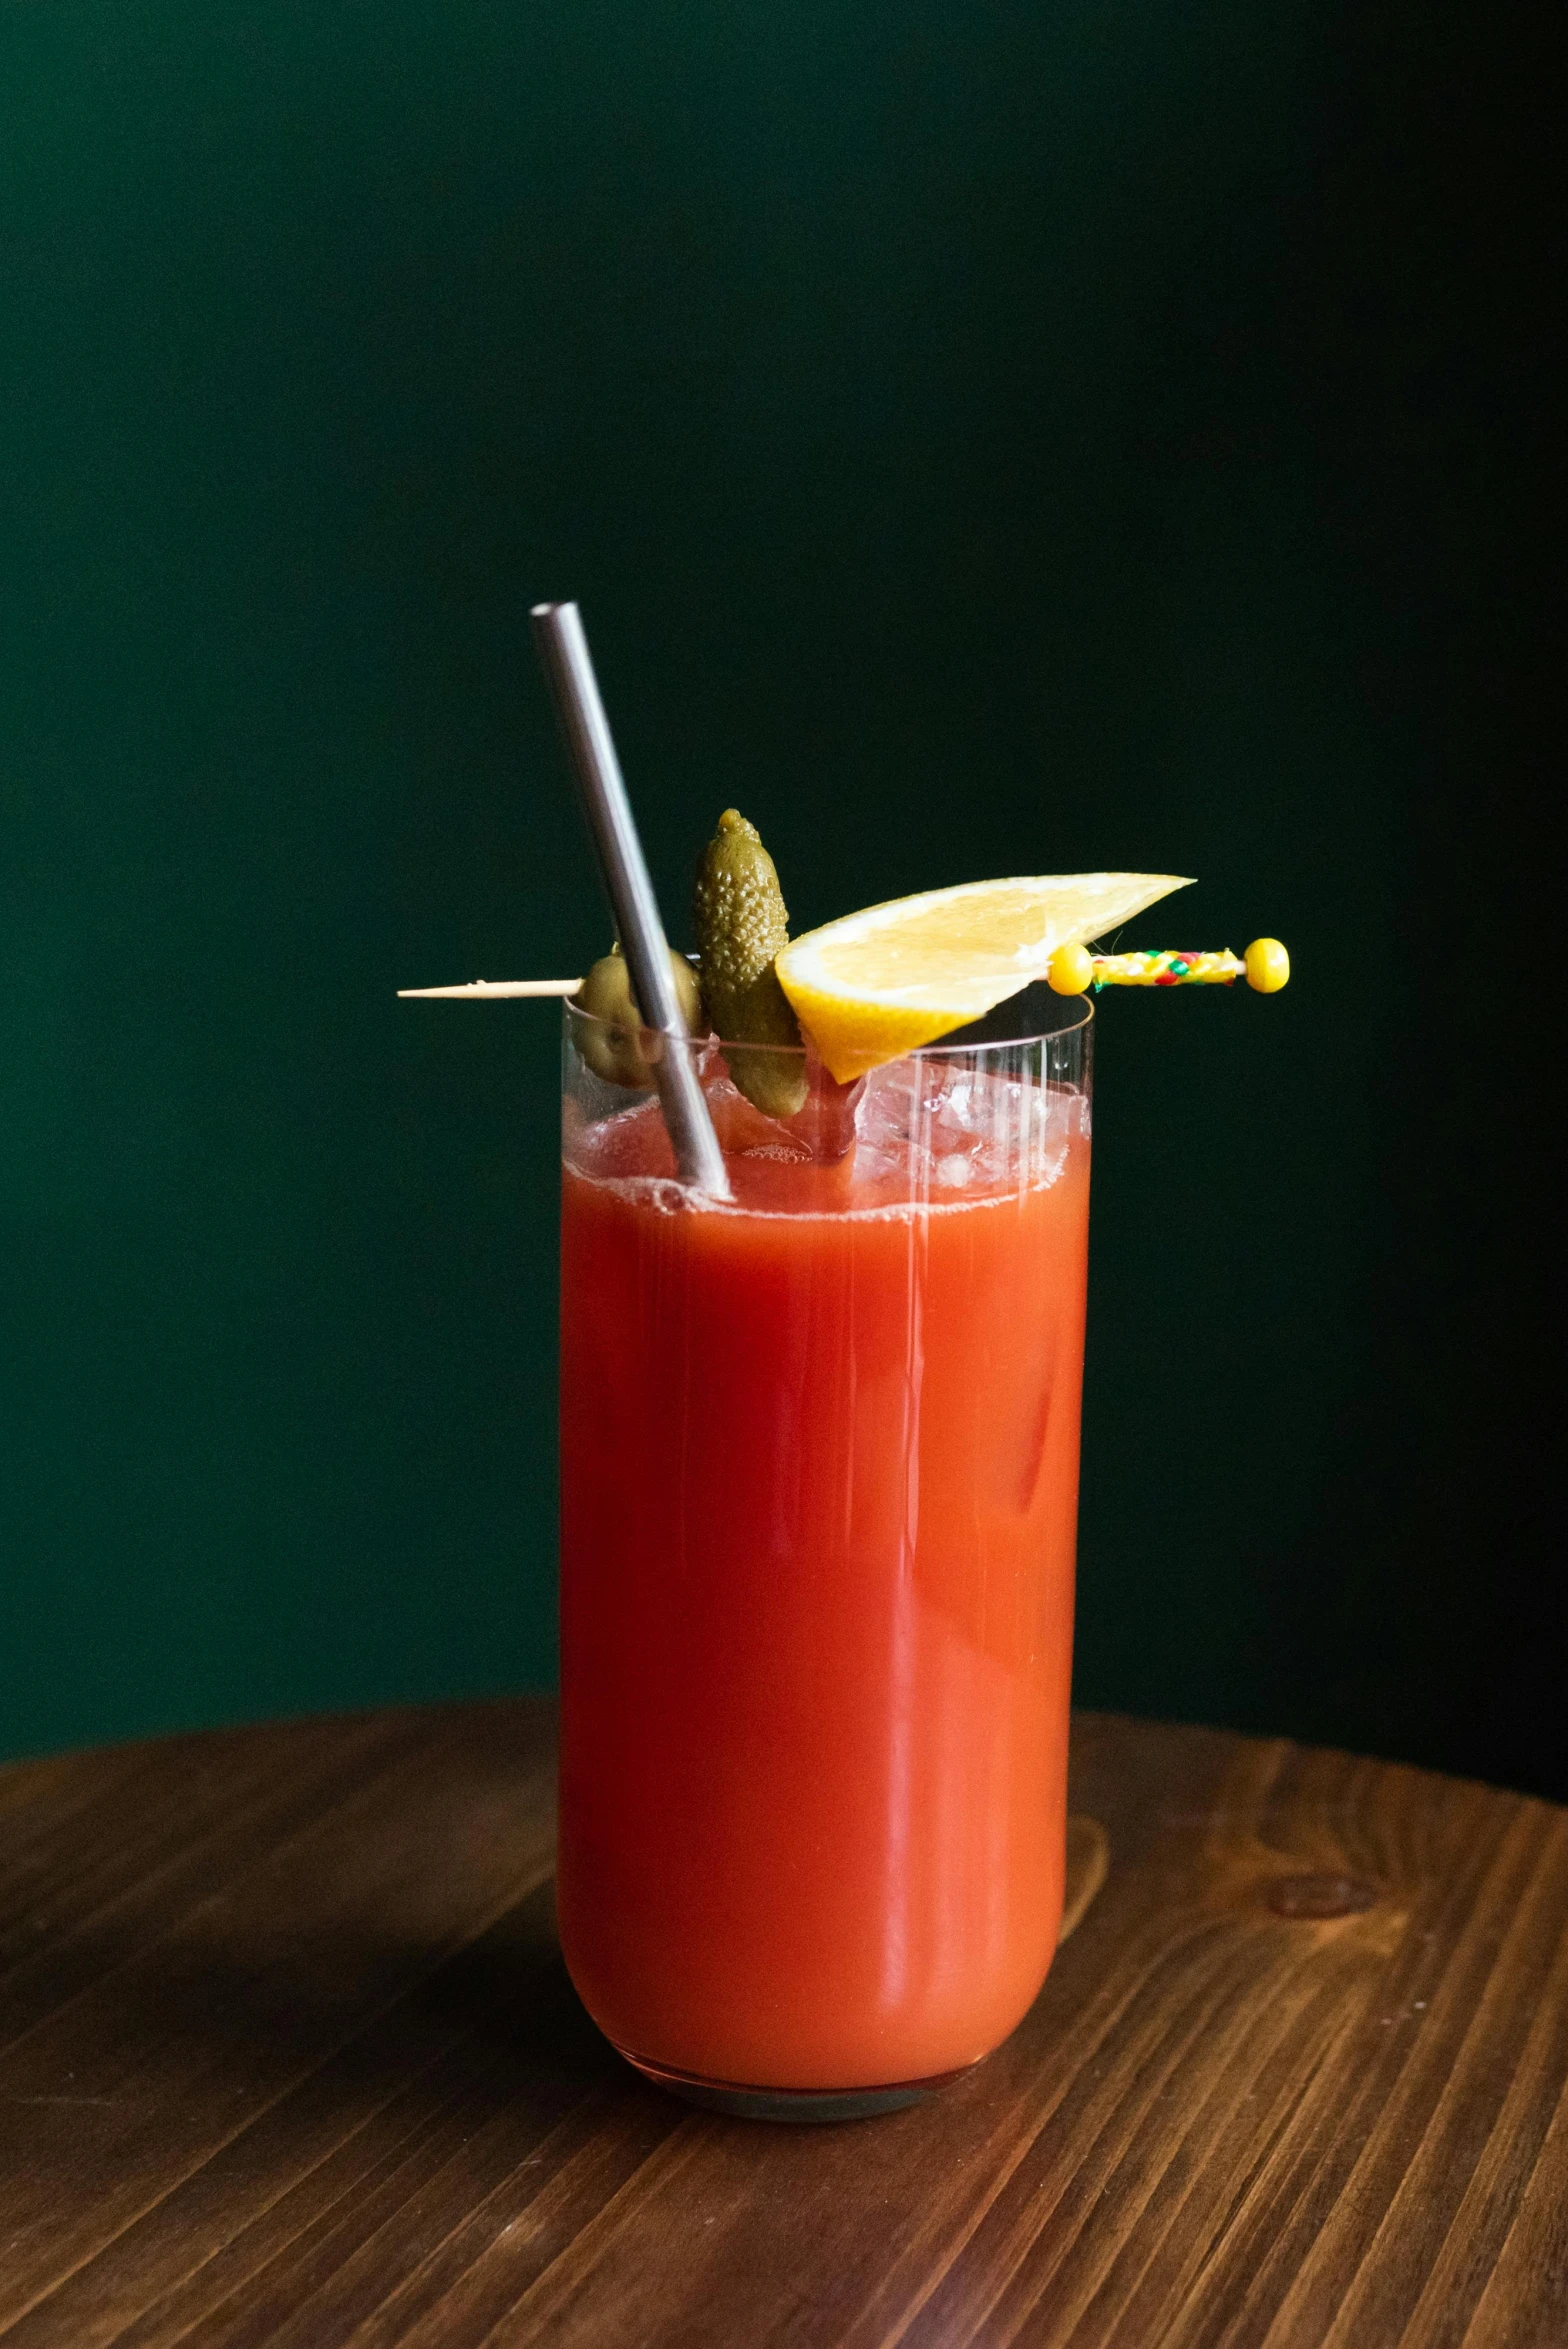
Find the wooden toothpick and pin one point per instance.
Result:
(493, 987)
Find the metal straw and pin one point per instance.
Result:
(558, 631)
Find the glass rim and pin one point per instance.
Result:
(938, 1046)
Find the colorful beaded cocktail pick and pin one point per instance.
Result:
(1072, 970)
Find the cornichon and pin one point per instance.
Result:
(741, 922)
(615, 1050)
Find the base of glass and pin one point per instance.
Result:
(795, 2104)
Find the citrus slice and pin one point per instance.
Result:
(893, 977)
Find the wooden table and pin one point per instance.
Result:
(288, 2058)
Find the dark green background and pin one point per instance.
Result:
(983, 438)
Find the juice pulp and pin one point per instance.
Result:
(819, 1491)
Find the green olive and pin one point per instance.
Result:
(623, 1051)
(741, 922)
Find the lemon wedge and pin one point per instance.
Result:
(893, 977)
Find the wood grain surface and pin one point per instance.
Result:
(288, 2058)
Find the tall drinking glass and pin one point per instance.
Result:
(819, 1478)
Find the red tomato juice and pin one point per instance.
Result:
(819, 1488)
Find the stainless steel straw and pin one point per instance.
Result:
(558, 631)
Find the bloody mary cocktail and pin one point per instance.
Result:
(819, 1453)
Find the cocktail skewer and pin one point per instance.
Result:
(1073, 970)
(558, 631)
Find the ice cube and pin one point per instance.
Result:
(823, 1129)
(939, 1125)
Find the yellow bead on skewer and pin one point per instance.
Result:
(1268, 966)
(1072, 970)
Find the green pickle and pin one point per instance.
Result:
(623, 1051)
(741, 923)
